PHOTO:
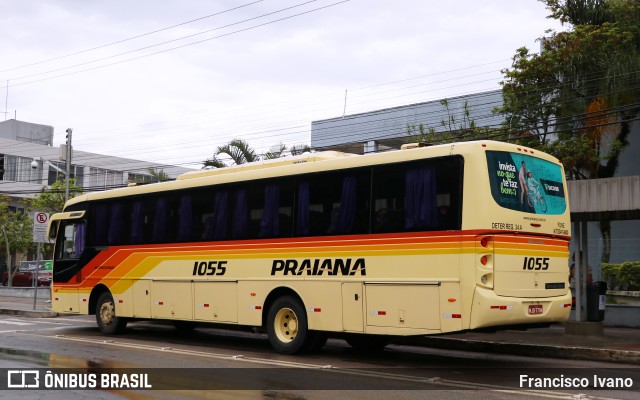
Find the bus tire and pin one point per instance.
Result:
(108, 322)
(287, 326)
(367, 343)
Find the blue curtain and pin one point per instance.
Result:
(79, 239)
(137, 222)
(160, 221)
(216, 225)
(421, 208)
(185, 222)
(347, 214)
(302, 210)
(115, 224)
(270, 223)
(100, 224)
(240, 214)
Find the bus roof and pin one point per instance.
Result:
(306, 163)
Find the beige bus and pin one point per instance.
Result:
(419, 241)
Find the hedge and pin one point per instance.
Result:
(625, 276)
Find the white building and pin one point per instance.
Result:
(22, 143)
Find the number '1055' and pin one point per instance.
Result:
(536, 263)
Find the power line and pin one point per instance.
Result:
(129, 38)
(177, 47)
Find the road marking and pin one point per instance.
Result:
(328, 368)
(14, 322)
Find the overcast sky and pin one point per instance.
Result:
(262, 70)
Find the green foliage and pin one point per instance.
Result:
(237, 150)
(51, 200)
(579, 95)
(625, 276)
(158, 175)
(452, 129)
(298, 149)
(276, 151)
(16, 231)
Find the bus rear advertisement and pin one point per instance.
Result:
(426, 240)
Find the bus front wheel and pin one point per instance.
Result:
(287, 325)
(108, 322)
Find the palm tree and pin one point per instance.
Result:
(158, 175)
(238, 150)
(276, 151)
(298, 149)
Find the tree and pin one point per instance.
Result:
(16, 231)
(580, 95)
(276, 151)
(158, 175)
(51, 200)
(453, 129)
(298, 149)
(237, 150)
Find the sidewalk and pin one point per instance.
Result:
(615, 345)
(24, 306)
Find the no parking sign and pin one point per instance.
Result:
(40, 225)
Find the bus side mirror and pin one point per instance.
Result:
(53, 229)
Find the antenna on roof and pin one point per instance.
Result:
(344, 110)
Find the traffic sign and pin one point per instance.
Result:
(40, 225)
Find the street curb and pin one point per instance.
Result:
(531, 350)
(29, 313)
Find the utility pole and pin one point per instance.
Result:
(68, 175)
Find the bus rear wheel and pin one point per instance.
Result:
(108, 322)
(287, 326)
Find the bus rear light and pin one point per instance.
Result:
(375, 312)
(484, 279)
(120, 301)
(484, 242)
(451, 315)
(566, 305)
(501, 307)
(204, 305)
(484, 260)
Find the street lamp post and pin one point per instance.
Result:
(68, 174)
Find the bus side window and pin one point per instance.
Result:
(73, 241)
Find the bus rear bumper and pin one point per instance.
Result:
(489, 309)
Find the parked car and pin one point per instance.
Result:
(25, 279)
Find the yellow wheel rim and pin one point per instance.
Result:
(286, 325)
(107, 312)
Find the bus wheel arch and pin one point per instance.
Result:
(105, 310)
(95, 295)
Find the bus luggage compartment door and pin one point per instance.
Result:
(352, 307)
(401, 305)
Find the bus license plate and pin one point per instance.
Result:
(535, 309)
